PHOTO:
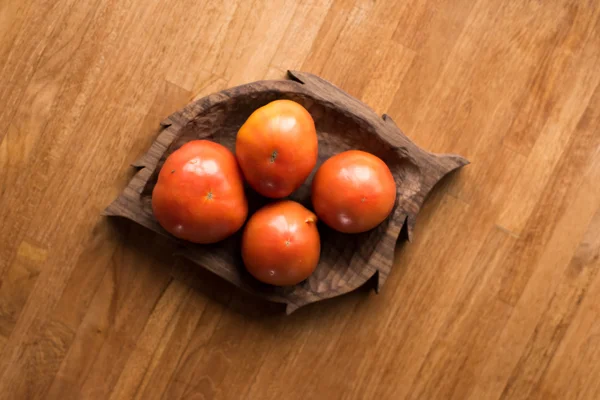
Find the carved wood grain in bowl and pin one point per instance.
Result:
(343, 123)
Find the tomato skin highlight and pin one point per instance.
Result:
(281, 244)
(199, 195)
(353, 191)
(277, 148)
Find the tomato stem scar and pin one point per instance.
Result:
(273, 156)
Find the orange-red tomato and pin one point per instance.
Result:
(200, 195)
(353, 191)
(281, 244)
(277, 148)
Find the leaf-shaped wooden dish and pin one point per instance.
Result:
(343, 123)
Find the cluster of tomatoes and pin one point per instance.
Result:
(200, 194)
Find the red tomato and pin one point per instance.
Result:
(277, 148)
(353, 191)
(281, 244)
(200, 195)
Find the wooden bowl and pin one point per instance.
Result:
(343, 123)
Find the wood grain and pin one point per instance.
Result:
(497, 297)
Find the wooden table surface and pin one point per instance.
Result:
(498, 297)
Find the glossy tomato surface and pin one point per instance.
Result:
(281, 244)
(277, 148)
(199, 195)
(353, 191)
